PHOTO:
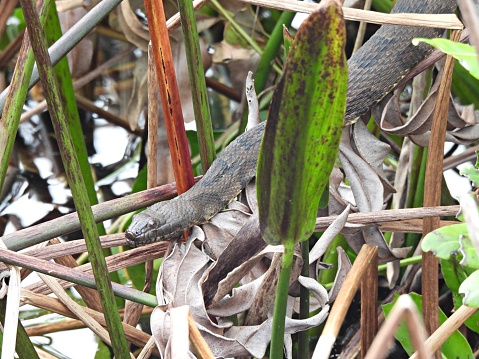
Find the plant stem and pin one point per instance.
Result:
(198, 84)
(271, 50)
(59, 120)
(277, 334)
(303, 337)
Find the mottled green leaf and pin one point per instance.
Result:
(304, 128)
(466, 54)
(456, 346)
(452, 241)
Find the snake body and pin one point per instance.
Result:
(374, 71)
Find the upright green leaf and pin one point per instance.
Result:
(302, 135)
(301, 142)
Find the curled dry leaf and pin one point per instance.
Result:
(333, 230)
(462, 126)
(361, 156)
(189, 267)
(131, 26)
(226, 269)
(139, 94)
(344, 266)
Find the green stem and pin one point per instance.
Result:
(198, 84)
(303, 337)
(267, 59)
(416, 189)
(270, 51)
(277, 334)
(72, 169)
(240, 31)
(402, 263)
(17, 93)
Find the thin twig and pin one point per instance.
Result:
(442, 21)
(452, 323)
(343, 301)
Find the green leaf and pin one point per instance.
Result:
(465, 86)
(471, 173)
(304, 127)
(466, 54)
(470, 290)
(456, 346)
(454, 274)
(452, 241)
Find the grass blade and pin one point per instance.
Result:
(70, 161)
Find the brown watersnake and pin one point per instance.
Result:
(374, 71)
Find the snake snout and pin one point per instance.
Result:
(130, 236)
(142, 230)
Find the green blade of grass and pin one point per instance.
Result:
(71, 38)
(198, 84)
(53, 32)
(70, 161)
(15, 98)
(270, 51)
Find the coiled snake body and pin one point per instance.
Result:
(373, 72)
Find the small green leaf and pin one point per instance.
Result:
(471, 173)
(470, 290)
(466, 54)
(454, 274)
(452, 241)
(456, 346)
(304, 127)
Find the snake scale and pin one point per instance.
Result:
(374, 71)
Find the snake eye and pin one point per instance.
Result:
(152, 223)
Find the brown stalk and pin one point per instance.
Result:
(153, 115)
(114, 262)
(362, 28)
(132, 309)
(432, 195)
(197, 341)
(443, 21)
(452, 323)
(403, 309)
(392, 219)
(6, 9)
(343, 301)
(88, 105)
(43, 329)
(11, 50)
(410, 226)
(89, 296)
(369, 298)
(170, 97)
(390, 215)
(132, 334)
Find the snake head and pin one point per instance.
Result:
(142, 230)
